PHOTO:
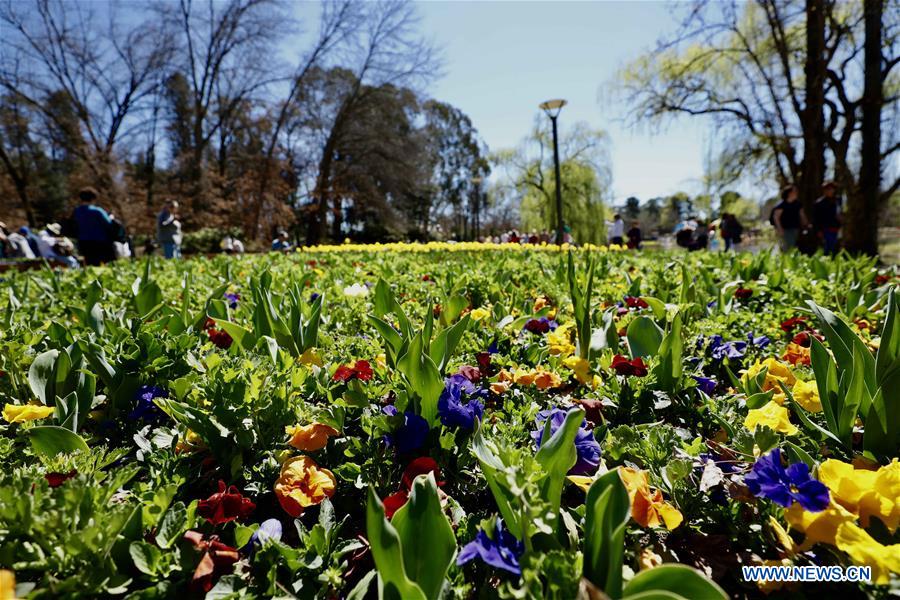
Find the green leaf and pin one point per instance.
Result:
(675, 579)
(42, 376)
(668, 371)
(241, 336)
(845, 344)
(607, 511)
(557, 455)
(423, 377)
(444, 345)
(50, 440)
(387, 552)
(827, 384)
(491, 467)
(889, 347)
(426, 536)
(644, 337)
(145, 556)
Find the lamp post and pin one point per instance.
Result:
(552, 109)
(476, 223)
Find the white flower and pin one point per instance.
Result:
(356, 290)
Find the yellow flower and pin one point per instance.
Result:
(310, 357)
(775, 372)
(500, 387)
(582, 481)
(796, 354)
(865, 551)
(806, 393)
(819, 527)
(559, 340)
(479, 314)
(580, 367)
(7, 585)
(20, 413)
(648, 509)
(773, 415)
(301, 484)
(864, 492)
(381, 361)
(191, 442)
(545, 380)
(310, 438)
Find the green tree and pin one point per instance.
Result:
(584, 171)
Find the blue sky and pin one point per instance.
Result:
(503, 58)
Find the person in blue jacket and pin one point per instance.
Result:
(94, 229)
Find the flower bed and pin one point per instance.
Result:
(449, 421)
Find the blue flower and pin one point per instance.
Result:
(459, 404)
(270, 529)
(145, 409)
(586, 445)
(410, 436)
(232, 299)
(769, 479)
(706, 384)
(760, 341)
(721, 349)
(502, 550)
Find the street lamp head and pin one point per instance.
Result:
(552, 107)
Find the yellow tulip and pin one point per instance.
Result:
(772, 415)
(20, 413)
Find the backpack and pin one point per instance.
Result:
(772, 215)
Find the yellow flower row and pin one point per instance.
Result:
(453, 247)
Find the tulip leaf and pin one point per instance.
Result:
(387, 553)
(50, 440)
(491, 467)
(607, 511)
(668, 371)
(426, 537)
(423, 377)
(680, 580)
(644, 337)
(557, 455)
(42, 376)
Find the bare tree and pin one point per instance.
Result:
(58, 52)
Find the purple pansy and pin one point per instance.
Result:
(144, 408)
(769, 479)
(232, 299)
(411, 435)
(721, 349)
(460, 404)
(586, 445)
(270, 529)
(502, 550)
(706, 385)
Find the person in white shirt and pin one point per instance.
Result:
(616, 232)
(49, 241)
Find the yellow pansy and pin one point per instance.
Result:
(20, 413)
(776, 372)
(7, 584)
(540, 303)
(865, 551)
(479, 314)
(560, 340)
(864, 492)
(648, 509)
(582, 481)
(775, 416)
(580, 367)
(310, 438)
(310, 357)
(302, 484)
(806, 393)
(819, 527)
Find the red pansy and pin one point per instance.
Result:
(623, 366)
(57, 479)
(743, 293)
(225, 505)
(217, 559)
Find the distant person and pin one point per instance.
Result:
(788, 218)
(93, 227)
(635, 239)
(32, 240)
(731, 231)
(281, 243)
(14, 244)
(121, 240)
(826, 217)
(168, 230)
(617, 230)
(56, 248)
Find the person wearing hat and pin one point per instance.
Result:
(94, 229)
(282, 243)
(51, 246)
(826, 219)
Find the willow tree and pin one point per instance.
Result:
(584, 170)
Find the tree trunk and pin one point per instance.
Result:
(21, 187)
(812, 173)
(861, 231)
